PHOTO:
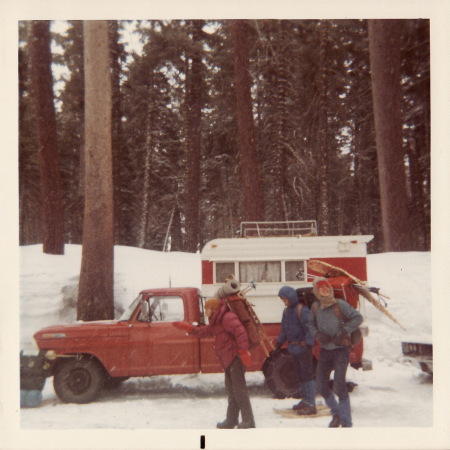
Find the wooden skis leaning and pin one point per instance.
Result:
(330, 271)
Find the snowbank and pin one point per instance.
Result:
(393, 395)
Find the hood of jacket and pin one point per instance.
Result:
(325, 302)
(290, 294)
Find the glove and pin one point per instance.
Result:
(340, 338)
(276, 350)
(245, 358)
(322, 338)
(183, 326)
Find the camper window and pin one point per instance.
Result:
(265, 272)
(295, 271)
(223, 271)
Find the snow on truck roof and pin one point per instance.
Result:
(285, 248)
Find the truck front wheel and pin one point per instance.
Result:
(281, 376)
(79, 380)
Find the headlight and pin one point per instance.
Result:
(51, 355)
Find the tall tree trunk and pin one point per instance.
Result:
(149, 144)
(95, 293)
(116, 139)
(193, 112)
(322, 144)
(51, 191)
(384, 46)
(415, 209)
(251, 189)
(279, 78)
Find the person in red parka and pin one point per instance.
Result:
(231, 346)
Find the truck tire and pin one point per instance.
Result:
(79, 380)
(280, 375)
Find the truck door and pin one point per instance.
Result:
(155, 347)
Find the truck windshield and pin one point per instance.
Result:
(128, 312)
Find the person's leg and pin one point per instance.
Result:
(340, 386)
(307, 382)
(325, 366)
(241, 397)
(324, 369)
(297, 370)
(232, 417)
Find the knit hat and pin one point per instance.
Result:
(213, 304)
(324, 301)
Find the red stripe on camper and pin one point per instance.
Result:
(356, 266)
(207, 272)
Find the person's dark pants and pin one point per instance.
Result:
(238, 399)
(336, 360)
(303, 364)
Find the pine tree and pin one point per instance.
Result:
(118, 150)
(416, 129)
(384, 38)
(323, 208)
(95, 292)
(251, 192)
(152, 106)
(71, 129)
(193, 113)
(52, 212)
(30, 215)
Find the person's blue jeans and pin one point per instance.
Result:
(304, 367)
(336, 360)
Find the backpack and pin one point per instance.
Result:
(246, 314)
(299, 310)
(355, 336)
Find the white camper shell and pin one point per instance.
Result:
(274, 254)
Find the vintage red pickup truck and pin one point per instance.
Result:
(87, 356)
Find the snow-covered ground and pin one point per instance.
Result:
(395, 396)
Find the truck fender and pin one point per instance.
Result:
(59, 359)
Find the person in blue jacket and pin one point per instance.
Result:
(334, 339)
(295, 330)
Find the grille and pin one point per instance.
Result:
(412, 348)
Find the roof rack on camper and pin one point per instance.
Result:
(278, 229)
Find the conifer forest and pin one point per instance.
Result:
(215, 122)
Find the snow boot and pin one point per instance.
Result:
(226, 424)
(335, 422)
(245, 425)
(301, 405)
(309, 410)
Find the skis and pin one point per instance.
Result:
(332, 271)
(322, 410)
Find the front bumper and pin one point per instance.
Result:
(419, 354)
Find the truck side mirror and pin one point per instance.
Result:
(145, 310)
